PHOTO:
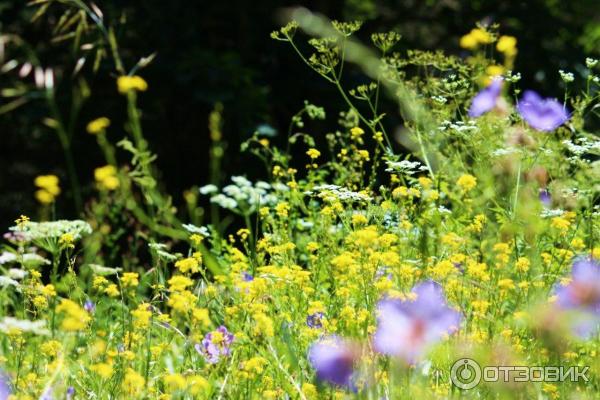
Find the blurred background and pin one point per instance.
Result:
(210, 52)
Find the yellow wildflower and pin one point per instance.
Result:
(104, 370)
(141, 316)
(467, 182)
(106, 177)
(133, 383)
(507, 45)
(313, 153)
(48, 190)
(130, 279)
(356, 133)
(189, 264)
(126, 84)
(76, 318)
(98, 125)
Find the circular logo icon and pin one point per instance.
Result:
(465, 373)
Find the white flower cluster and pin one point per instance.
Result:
(583, 146)
(8, 281)
(332, 192)
(53, 229)
(567, 77)
(27, 259)
(551, 213)
(512, 77)
(458, 126)
(243, 196)
(6, 257)
(405, 166)
(201, 230)
(439, 99)
(10, 324)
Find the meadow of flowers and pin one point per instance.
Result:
(369, 259)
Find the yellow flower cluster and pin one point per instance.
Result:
(507, 45)
(76, 318)
(313, 153)
(106, 177)
(475, 38)
(48, 190)
(98, 125)
(190, 264)
(126, 84)
(467, 182)
(130, 279)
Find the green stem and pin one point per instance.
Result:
(65, 143)
(516, 199)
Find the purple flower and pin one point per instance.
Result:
(216, 344)
(4, 386)
(89, 306)
(333, 360)
(247, 277)
(406, 328)
(486, 99)
(70, 392)
(542, 114)
(582, 295)
(583, 292)
(384, 271)
(47, 394)
(315, 320)
(545, 198)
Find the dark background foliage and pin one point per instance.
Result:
(221, 51)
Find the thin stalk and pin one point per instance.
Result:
(515, 201)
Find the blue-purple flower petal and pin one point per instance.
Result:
(406, 328)
(486, 99)
(542, 114)
(333, 360)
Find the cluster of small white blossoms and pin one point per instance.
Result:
(458, 126)
(405, 166)
(567, 77)
(30, 259)
(333, 192)
(11, 325)
(439, 99)
(243, 196)
(200, 230)
(551, 213)
(53, 229)
(583, 146)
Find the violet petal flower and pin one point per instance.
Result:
(582, 297)
(486, 99)
(315, 320)
(4, 386)
(333, 360)
(215, 345)
(545, 198)
(542, 114)
(406, 328)
(247, 277)
(583, 292)
(89, 306)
